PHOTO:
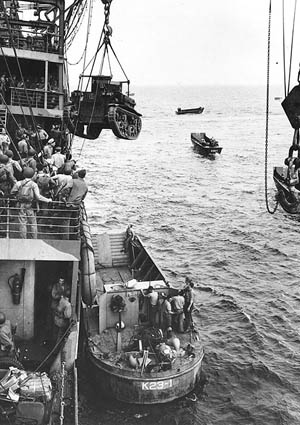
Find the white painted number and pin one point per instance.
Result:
(160, 385)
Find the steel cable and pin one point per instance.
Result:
(271, 211)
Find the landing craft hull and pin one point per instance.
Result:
(137, 389)
(142, 363)
(203, 146)
(190, 111)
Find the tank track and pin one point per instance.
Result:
(125, 124)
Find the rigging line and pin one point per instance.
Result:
(12, 80)
(292, 44)
(11, 141)
(75, 14)
(109, 64)
(20, 71)
(93, 58)
(118, 60)
(88, 31)
(9, 111)
(74, 28)
(283, 46)
(267, 115)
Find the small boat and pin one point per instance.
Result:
(190, 111)
(205, 145)
(123, 350)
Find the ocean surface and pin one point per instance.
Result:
(207, 219)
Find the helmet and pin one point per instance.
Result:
(2, 318)
(3, 159)
(31, 152)
(9, 153)
(28, 172)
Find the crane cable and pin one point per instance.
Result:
(271, 211)
(21, 73)
(283, 49)
(292, 44)
(80, 83)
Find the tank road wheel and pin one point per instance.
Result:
(7, 362)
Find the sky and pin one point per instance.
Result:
(195, 42)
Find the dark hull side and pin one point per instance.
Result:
(190, 111)
(135, 388)
(284, 196)
(206, 150)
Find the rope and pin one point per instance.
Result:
(14, 85)
(283, 46)
(20, 71)
(267, 116)
(292, 43)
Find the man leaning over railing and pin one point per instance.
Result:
(26, 192)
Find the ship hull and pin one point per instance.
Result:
(132, 356)
(135, 388)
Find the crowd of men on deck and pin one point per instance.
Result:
(172, 312)
(38, 167)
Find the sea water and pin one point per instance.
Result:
(207, 219)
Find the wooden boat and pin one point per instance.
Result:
(189, 111)
(122, 348)
(205, 145)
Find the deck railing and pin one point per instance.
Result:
(50, 221)
(36, 97)
(29, 38)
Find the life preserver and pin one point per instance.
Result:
(87, 266)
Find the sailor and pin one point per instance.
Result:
(26, 192)
(129, 237)
(48, 148)
(4, 141)
(58, 159)
(188, 303)
(79, 189)
(6, 339)
(41, 134)
(62, 180)
(30, 161)
(12, 165)
(75, 193)
(7, 179)
(153, 304)
(23, 144)
(56, 134)
(177, 303)
(62, 316)
(20, 132)
(70, 164)
(166, 310)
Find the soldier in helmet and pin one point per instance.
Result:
(26, 192)
(6, 339)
